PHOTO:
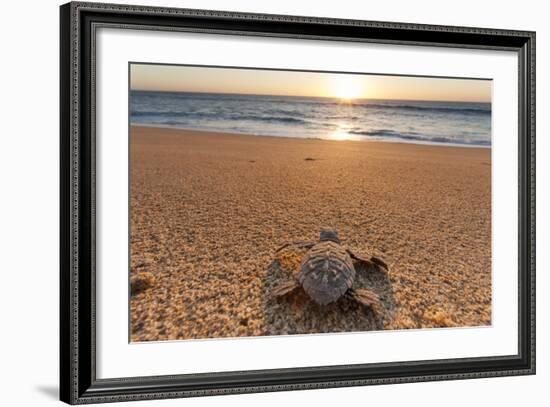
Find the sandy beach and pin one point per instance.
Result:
(209, 210)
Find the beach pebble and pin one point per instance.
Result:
(141, 281)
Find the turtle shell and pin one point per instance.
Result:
(326, 272)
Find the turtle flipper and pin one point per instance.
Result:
(285, 288)
(370, 262)
(379, 262)
(298, 243)
(366, 297)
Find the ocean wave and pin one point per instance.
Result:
(227, 117)
(279, 119)
(424, 122)
(412, 136)
(443, 107)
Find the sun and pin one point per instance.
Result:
(347, 88)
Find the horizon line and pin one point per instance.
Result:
(350, 101)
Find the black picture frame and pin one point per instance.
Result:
(78, 382)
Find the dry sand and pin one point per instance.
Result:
(209, 210)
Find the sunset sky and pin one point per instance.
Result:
(295, 83)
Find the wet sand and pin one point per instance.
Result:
(209, 210)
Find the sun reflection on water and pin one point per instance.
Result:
(342, 132)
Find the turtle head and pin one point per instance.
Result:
(329, 235)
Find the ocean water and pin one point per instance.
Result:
(455, 123)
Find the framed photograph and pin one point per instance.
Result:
(255, 203)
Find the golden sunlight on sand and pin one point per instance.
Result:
(208, 211)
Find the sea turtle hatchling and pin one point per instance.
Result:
(327, 272)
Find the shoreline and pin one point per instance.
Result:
(365, 139)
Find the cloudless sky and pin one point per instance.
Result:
(299, 83)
